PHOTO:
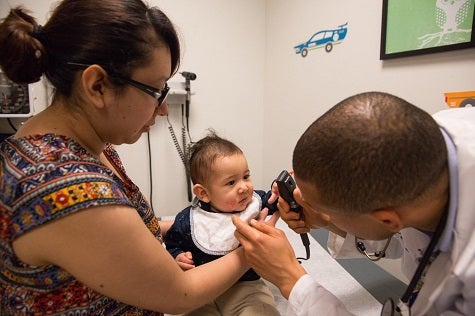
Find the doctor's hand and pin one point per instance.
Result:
(302, 222)
(310, 218)
(185, 261)
(269, 253)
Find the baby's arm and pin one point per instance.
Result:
(177, 241)
(269, 201)
(185, 260)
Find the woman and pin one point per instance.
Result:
(77, 236)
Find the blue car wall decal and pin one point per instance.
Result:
(324, 38)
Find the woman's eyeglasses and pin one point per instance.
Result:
(159, 94)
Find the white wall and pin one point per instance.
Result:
(252, 88)
(224, 44)
(298, 90)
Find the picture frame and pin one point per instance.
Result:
(411, 27)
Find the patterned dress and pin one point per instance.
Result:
(43, 178)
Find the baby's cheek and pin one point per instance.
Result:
(231, 205)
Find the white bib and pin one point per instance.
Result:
(213, 233)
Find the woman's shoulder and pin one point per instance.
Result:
(45, 147)
(48, 154)
(49, 176)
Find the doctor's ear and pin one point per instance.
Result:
(389, 218)
(201, 193)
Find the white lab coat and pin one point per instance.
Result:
(449, 286)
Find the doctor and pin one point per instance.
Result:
(387, 180)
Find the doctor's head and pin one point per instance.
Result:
(371, 153)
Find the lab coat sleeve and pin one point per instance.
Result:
(467, 304)
(463, 289)
(309, 298)
(455, 295)
(463, 295)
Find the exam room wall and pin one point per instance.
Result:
(252, 88)
(298, 90)
(223, 42)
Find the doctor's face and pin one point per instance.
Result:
(316, 214)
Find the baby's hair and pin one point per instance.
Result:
(204, 152)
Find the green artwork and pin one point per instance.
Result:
(420, 24)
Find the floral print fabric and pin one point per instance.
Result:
(43, 178)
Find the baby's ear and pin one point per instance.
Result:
(201, 193)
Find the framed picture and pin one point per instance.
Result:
(426, 26)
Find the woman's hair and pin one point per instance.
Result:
(119, 35)
(370, 151)
(204, 152)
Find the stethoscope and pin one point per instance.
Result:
(375, 256)
(405, 302)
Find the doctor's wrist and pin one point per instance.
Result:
(289, 279)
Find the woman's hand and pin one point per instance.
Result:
(269, 253)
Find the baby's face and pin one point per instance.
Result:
(230, 187)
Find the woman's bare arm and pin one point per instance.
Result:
(110, 249)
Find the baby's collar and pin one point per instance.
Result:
(208, 207)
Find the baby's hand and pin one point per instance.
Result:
(185, 261)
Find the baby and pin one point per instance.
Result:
(204, 231)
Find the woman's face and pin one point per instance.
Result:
(134, 111)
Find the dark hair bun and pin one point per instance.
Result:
(22, 57)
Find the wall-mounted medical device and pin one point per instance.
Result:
(15, 98)
(180, 94)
